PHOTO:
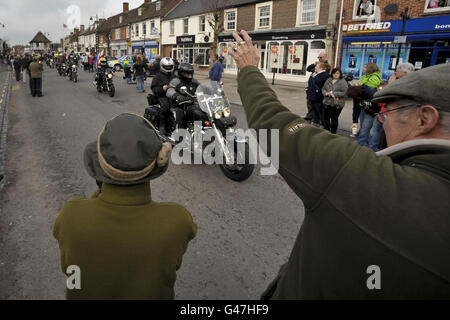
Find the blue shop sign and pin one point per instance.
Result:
(430, 24)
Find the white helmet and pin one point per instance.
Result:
(166, 65)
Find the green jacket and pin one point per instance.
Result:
(36, 69)
(372, 80)
(361, 208)
(126, 245)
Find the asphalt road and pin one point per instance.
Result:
(245, 230)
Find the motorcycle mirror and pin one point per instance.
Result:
(183, 90)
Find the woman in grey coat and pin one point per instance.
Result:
(334, 91)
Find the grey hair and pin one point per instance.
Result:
(405, 67)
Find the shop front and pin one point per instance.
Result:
(285, 52)
(187, 50)
(151, 48)
(425, 43)
(119, 49)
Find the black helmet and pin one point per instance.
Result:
(186, 71)
(166, 65)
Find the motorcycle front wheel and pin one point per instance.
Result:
(241, 169)
(112, 91)
(75, 78)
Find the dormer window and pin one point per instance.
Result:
(158, 5)
(140, 12)
(120, 19)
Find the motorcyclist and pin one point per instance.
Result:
(184, 78)
(72, 60)
(160, 86)
(102, 66)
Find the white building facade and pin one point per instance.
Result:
(145, 34)
(188, 39)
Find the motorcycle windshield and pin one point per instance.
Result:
(210, 98)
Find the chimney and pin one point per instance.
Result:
(82, 28)
(126, 6)
(75, 30)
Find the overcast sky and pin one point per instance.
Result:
(24, 18)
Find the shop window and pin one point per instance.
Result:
(437, 5)
(185, 26)
(228, 60)
(202, 23)
(318, 45)
(307, 11)
(230, 20)
(202, 56)
(364, 8)
(287, 57)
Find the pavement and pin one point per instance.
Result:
(245, 230)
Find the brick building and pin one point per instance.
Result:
(373, 36)
(288, 33)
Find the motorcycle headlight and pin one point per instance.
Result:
(110, 75)
(218, 114)
(226, 112)
(73, 66)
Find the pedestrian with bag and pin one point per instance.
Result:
(372, 80)
(125, 244)
(334, 91)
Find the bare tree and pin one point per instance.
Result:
(215, 18)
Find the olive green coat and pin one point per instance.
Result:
(36, 69)
(362, 209)
(126, 245)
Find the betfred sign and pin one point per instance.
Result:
(367, 27)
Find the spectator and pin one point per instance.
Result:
(334, 91)
(36, 69)
(215, 74)
(366, 8)
(311, 68)
(402, 70)
(91, 63)
(127, 245)
(314, 92)
(140, 69)
(17, 67)
(372, 79)
(368, 216)
(370, 82)
(127, 71)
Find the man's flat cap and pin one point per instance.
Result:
(429, 86)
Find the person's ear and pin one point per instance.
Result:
(427, 120)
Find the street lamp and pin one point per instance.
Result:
(405, 17)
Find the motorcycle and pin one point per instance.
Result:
(106, 84)
(62, 69)
(216, 120)
(73, 73)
